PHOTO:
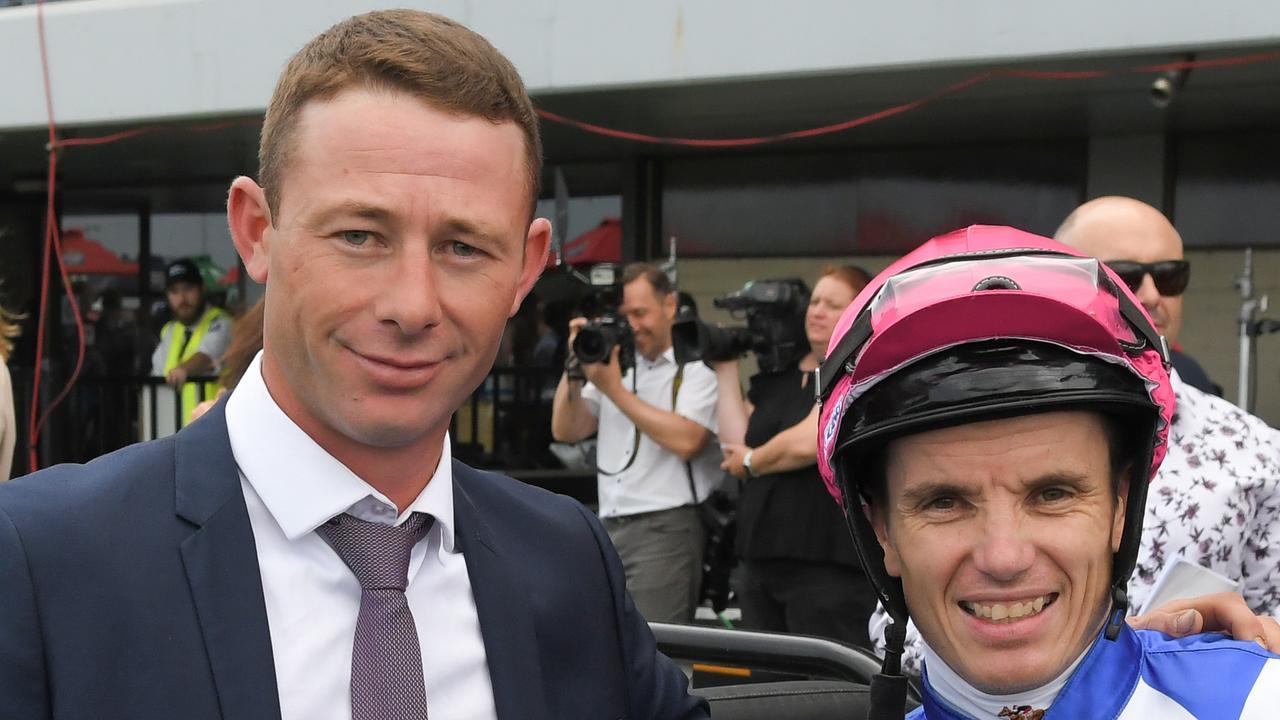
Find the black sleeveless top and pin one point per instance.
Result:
(788, 515)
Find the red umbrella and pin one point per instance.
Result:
(601, 244)
(231, 277)
(88, 257)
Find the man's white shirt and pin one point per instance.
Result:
(657, 478)
(292, 486)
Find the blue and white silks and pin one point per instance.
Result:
(1144, 675)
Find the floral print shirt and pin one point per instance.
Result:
(1215, 501)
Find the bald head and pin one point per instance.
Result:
(1121, 228)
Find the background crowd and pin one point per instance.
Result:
(672, 433)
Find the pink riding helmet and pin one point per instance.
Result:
(980, 323)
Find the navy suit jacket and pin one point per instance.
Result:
(129, 588)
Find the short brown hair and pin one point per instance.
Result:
(658, 279)
(851, 275)
(428, 56)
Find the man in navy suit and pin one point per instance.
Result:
(239, 570)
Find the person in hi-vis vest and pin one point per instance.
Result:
(192, 342)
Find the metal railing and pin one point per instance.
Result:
(799, 656)
(106, 413)
(505, 424)
(777, 652)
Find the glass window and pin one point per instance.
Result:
(1226, 190)
(864, 201)
(593, 230)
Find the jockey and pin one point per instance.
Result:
(993, 407)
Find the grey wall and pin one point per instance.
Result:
(1129, 165)
(1209, 322)
(120, 60)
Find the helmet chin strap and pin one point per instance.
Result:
(888, 690)
(1119, 609)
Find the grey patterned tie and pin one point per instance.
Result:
(386, 662)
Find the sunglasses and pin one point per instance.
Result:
(1170, 276)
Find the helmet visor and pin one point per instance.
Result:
(1075, 281)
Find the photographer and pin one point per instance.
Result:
(655, 420)
(800, 570)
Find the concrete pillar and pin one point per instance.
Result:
(1136, 166)
(642, 209)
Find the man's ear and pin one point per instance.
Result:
(670, 304)
(1121, 504)
(249, 219)
(892, 563)
(537, 244)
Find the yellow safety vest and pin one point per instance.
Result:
(179, 354)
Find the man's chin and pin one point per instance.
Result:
(1011, 672)
(1019, 681)
(385, 425)
(648, 350)
(391, 433)
(1162, 325)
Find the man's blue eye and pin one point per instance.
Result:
(463, 249)
(355, 237)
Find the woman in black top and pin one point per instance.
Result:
(800, 571)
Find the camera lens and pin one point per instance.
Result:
(591, 345)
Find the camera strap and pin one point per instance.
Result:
(688, 465)
(635, 431)
(635, 443)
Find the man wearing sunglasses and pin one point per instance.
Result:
(1216, 499)
(1143, 248)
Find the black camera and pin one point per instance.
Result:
(774, 331)
(608, 327)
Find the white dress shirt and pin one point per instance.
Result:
(292, 486)
(657, 479)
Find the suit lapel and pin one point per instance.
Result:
(510, 642)
(221, 561)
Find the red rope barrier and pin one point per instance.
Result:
(979, 79)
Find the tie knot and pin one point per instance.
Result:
(377, 554)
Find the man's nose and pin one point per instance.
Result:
(1147, 293)
(1004, 552)
(411, 297)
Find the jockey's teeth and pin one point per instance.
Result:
(1004, 613)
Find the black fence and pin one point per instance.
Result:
(505, 424)
(99, 415)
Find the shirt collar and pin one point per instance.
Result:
(955, 691)
(667, 356)
(301, 484)
(1098, 684)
